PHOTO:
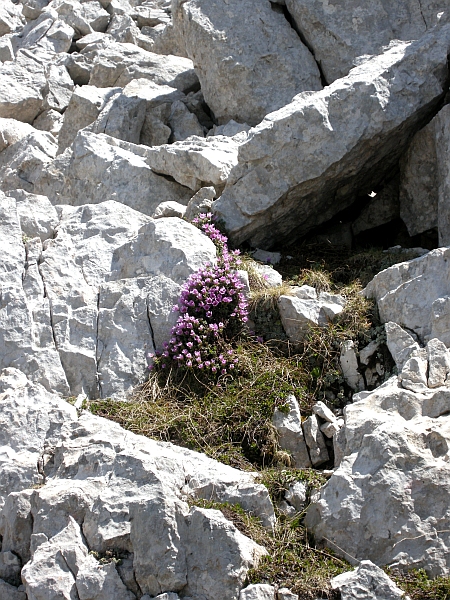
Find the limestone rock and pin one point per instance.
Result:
(50, 120)
(11, 592)
(322, 411)
(21, 164)
(290, 432)
(123, 29)
(169, 209)
(129, 495)
(305, 309)
(296, 495)
(258, 591)
(400, 343)
(196, 162)
(6, 50)
(200, 203)
(10, 18)
(416, 295)
(10, 567)
(286, 594)
(315, 441)
(84, 17)
(37, 216)
(84, 107)
(376, 504)
(102, 329)
(308, 160)
(98, 167)
(340, 33)
(367, 581)
(31, 9)
(443, 159)
(425, 179)
(26, 340)
(418, 182)
(438, 363)
(12, 131)
(183, 123)
(349, 366)
(139, 113)
(118, 64)
(217, 545)
(414, 373)
(59, 88)
(23, 82)
(262, 76)
(330, 429)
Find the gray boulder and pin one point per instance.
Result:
(196, 161)
(366, 582)
(130, 495)
(308, 160)
(416, 294)
(290, 433)
(425, 179)
(116, 64)
(263, 75)
(97, 167)
(304, 308)
(21, 164)
(85, 105)
(345, 33)
(23, 83)
(376, 505)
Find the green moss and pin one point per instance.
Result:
(418, 586)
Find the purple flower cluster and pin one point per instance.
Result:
(212, 312)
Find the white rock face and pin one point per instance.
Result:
(12, 131)
(117, 64)
(367, 581)
(21, 94)
(196, 162)
(129, 495)
(97, 167)
(416, 295)
(292, 167)
(259, 591)
(81, 314)
(216, 35)
(290, 432)
(84, 107)
(21, 163)
(377, 505)
(341, 32)
(305, 308)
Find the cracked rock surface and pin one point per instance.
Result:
(118, 118)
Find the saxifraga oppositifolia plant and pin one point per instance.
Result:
(213, 310)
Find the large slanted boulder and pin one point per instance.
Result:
(309, 160)
(377, 505)
(248, 58)
(340, 32)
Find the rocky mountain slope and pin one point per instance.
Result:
(120, 121)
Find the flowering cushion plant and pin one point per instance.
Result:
(213, 310)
